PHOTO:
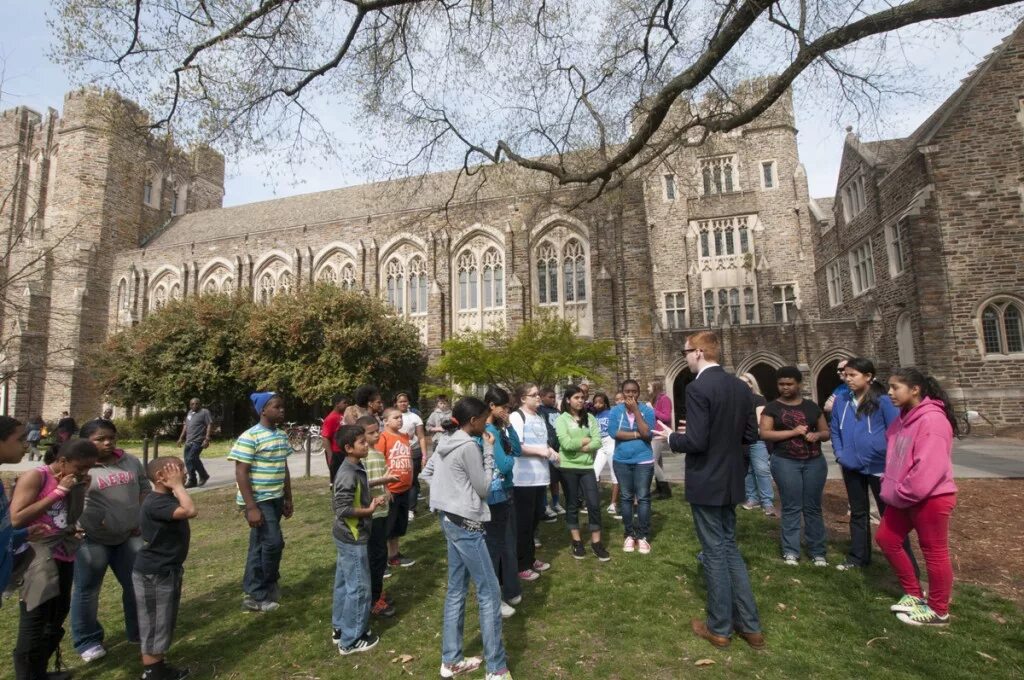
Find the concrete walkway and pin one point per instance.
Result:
(974, 457)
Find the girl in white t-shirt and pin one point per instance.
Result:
(530, 477)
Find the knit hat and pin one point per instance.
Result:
(260, 399)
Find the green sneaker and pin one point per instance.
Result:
(923, 616)
(907, 604)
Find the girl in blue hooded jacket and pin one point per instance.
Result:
(860, 418)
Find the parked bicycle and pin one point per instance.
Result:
(966, 418)
(298, 435)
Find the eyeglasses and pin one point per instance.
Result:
(533, 394)
(692, 349)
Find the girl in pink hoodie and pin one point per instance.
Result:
(918, 489)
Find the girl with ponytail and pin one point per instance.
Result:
(860, 418)
(918, 488)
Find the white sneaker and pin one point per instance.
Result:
(559, 510)
(500, 675)
(611, 509)
(412, 515)
(536, 542)
(515, 600)
(643, 547)
(507, 610)
(467, 665)
(93, 653)
(539, 566)
(629, 545)
(791, 560)
(820, 562)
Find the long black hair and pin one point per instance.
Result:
(930, 387)
(465, 410)
(497, 396)
(869, 404)
(583, 418)
(607, 401)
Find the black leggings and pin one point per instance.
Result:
(526, 500)
(501, 544)
(40, 630)
(581, 484)
(858, 485)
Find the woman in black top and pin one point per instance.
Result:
(794, 427)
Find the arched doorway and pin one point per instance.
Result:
(766, 380)
(826, 381)
(679, 383)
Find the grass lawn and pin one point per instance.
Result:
(628, 618)
(217, 449)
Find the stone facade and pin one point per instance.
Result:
(941, 215)
(721, 235)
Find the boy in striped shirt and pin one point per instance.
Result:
(265, 496)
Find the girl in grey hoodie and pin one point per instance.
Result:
(460, 474)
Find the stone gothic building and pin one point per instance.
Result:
(723, 235)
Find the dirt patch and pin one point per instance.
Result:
(985, 536)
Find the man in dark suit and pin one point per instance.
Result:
(719, 424)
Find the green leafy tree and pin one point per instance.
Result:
(325, 340)
(187, 349)
(544, 351)
(219, 348)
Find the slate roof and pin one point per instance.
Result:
(426, 192)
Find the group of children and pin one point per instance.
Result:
(92, 506)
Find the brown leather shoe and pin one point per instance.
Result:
(755, 640)
(700, 629)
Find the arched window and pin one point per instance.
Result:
(750, 308)
(723, 300)
(562, 261)
(151, 187)
(328, 275)
(468, 280)
(705, 243)
(395, 285)
(1002, 326)
(547, 274)
(348, 277)
(730, 248)
(575, 282)
(494, 279)
(227, 286)
(122, 295)
(160, 297)
(175, 292)
(210, 287)
(417, 286)
(284, 283)
(267, 287)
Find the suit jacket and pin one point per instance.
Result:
(720, 424)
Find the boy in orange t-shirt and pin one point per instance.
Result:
(395, 446)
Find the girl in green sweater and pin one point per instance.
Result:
(579, 438)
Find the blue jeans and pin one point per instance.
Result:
(759, 476)
(91, 562)
(266, 543)
(635, 482)
(193, 463)
(801, 484)
(730, 601)
(468, 558)
(351, 610)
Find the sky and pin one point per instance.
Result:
(938, 66)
